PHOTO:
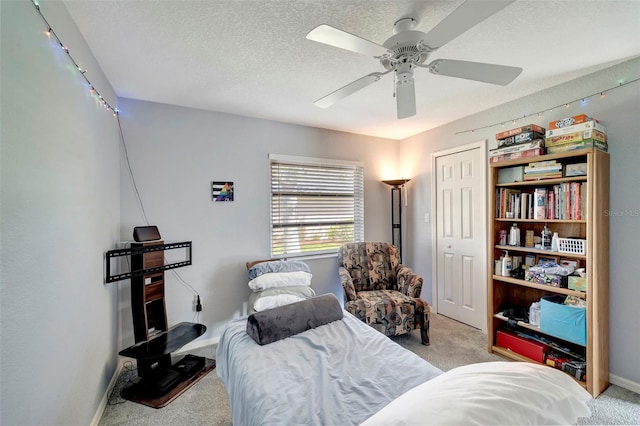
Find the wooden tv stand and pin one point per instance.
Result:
(154, 359)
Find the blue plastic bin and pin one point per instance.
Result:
(564, 321)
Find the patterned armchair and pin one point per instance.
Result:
(380, 291)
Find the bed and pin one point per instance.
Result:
(343, 372)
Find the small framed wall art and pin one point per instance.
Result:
(222, 191)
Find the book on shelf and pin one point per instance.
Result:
(540, 203)
(542, 165)
(543, 170)
(564, 201)
(507, 200)
(551, 201)
(541, 176)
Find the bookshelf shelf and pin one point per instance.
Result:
(540, 251)
(542, 182)
(502, 219)
(526, 325)
(546, 288)
(592, 227)
(517, 357)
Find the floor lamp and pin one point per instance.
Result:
(396, 212)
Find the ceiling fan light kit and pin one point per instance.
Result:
(408, 48)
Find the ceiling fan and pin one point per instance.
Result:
(409, 48)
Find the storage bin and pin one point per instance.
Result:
(525, 347)
(572, 245)
(564, 321)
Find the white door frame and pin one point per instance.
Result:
(482, 144)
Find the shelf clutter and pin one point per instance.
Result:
(548, 285)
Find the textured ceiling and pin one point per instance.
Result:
(251, 57)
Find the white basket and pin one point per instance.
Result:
(572, 245)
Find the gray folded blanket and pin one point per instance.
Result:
(275, 324)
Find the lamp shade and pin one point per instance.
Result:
(396, 182)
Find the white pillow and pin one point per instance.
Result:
(280, 279)
(492, 393)
(268, 302)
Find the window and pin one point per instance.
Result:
(316, 205)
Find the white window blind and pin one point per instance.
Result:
(316, 205)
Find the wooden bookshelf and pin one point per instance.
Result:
(594, 228)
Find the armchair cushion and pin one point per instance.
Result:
(380, 291)
(393, 312)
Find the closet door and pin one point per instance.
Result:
(460, 236)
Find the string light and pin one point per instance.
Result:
(50, 32)
(584, 101)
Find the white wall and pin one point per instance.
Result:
(60, 212)
(619, 111)
(176, 153)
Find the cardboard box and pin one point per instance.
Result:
(587, 125)
(525, 347)
(494, 159)
(518, 130)
(563, 321)
(520, 138)
(577, 283)
(575, 137)
(538, 143)
(589, 143)
(577, 169)
(570, 121)
(511, 174)
(543, 278)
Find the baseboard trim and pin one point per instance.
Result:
(105, 397)
(624, 383)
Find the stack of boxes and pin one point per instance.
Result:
(543, 170)
(577, 132)
(521, 142)
(566, 134)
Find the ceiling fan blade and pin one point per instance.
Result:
(478, 71)
(406, 98)
(347, 90)
(466, 16)
(334, 37)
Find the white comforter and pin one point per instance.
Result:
(490, 393)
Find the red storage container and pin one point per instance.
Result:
(525, 347)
